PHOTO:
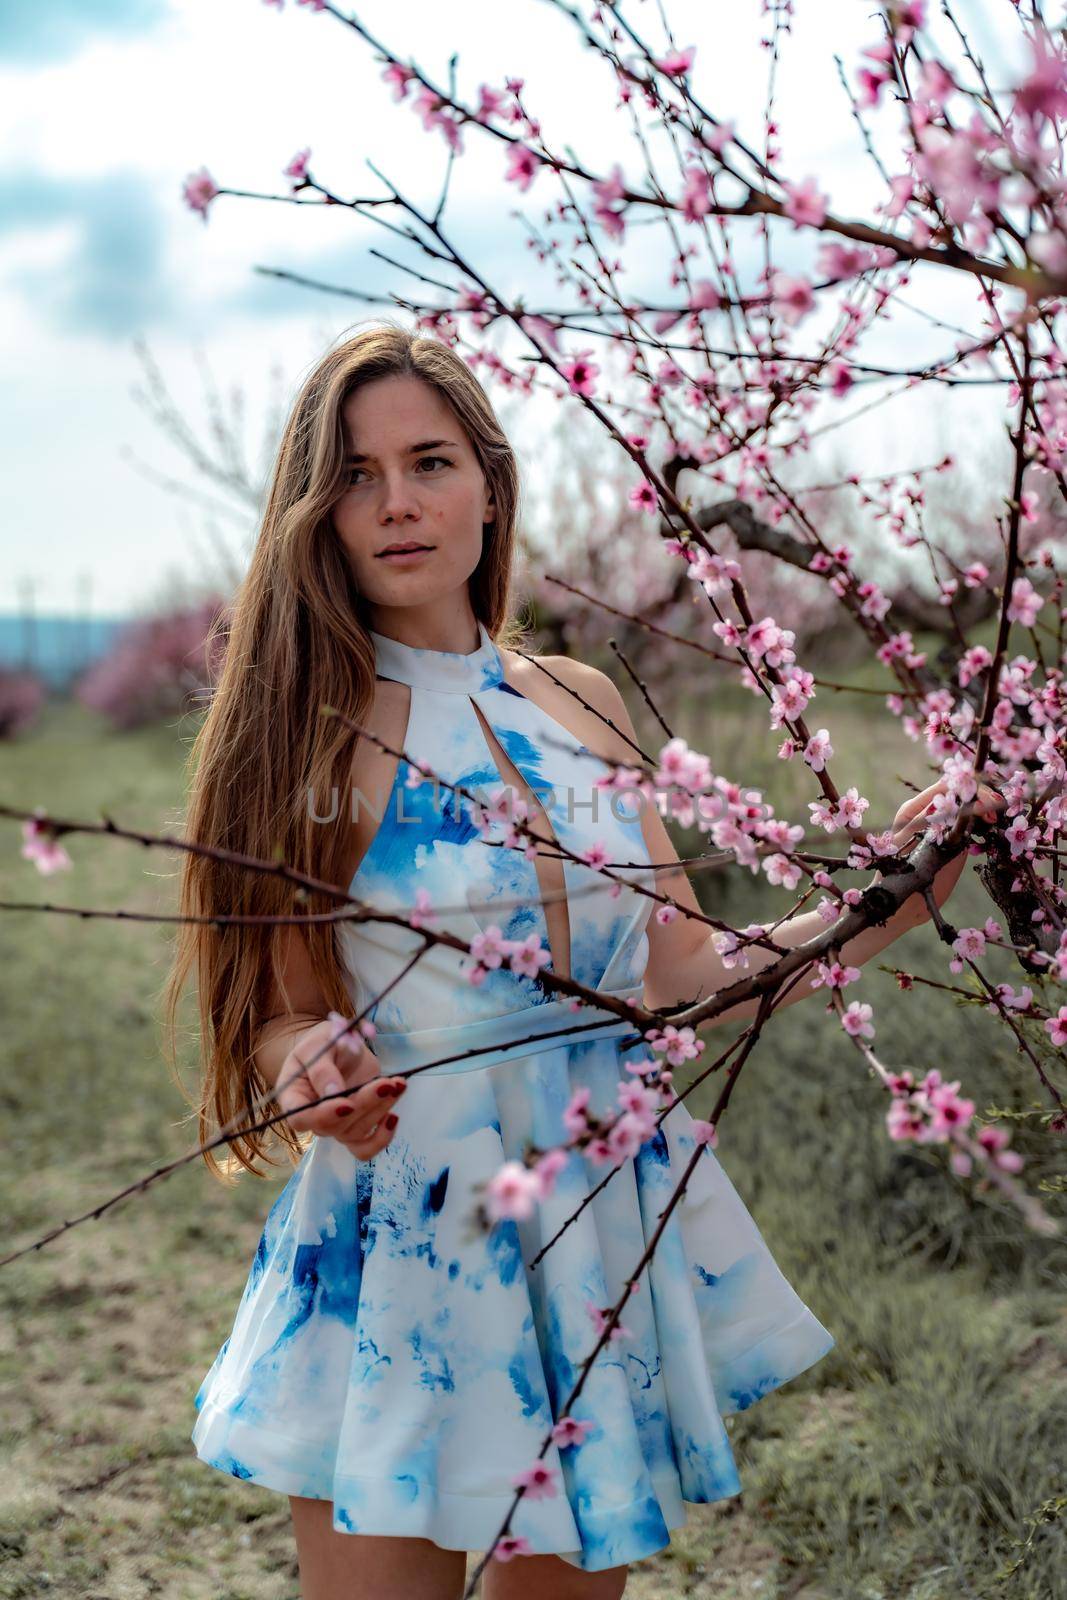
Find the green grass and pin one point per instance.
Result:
(903, 1466)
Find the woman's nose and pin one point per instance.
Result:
(398, 499)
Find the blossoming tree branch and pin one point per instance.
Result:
(717, 376)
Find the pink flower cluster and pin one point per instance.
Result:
(934, 1112)
(42, 847)
(491, 950)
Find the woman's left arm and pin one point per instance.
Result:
(683, 963)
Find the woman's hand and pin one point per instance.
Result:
(359, 1120)
(912, 816)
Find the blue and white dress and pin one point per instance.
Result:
(391, 1357)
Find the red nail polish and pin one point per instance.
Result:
(391, 1120)
(384, 1089)
(341, 1111)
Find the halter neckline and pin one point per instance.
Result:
(443, 671)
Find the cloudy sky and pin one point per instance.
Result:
(107, 105)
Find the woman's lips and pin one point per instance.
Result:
(402, 555)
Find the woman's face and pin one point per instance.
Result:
(414, 499)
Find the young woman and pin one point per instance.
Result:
(392, 1367)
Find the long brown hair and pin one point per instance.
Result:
(296, 642)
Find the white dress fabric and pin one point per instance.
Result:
(389, 1356)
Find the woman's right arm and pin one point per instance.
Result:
(292, 1034)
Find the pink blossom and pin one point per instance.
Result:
(666, 914)
(969, 943)
(949, 1111)
(971, 663)
(43, 848)
(790, 699)
(696, 195)
(644, 497)
(902, 189)
(1021, 839)
(765, 640)
(792, 298)
(804, 204)
(528, 956)
(431, 108)
(780, 870)
(1012, 1001)
(681, 767)
(580, 373)
(609, 194)
(199, 190)
(548, 1168)
(1056, 1027)
(677, 1044)
(423, 912)
(298, 166)
(475, 301)
(542, 329)
(627, 1134)
(714, 572)
(704, 1132)
(636, 1097)
(841, 382)
(835, 975)
(948, 163)
(1025, 603)
(843, 260)
(575, 1118)
(677, 62)
(871, 84)
(349, 1043)
(823, 815)
(1044, 92)
(569, 1430)
(490, 948)
(856, 1019)
(523, 166)
(704, 296)
(399, 76)
(511, 1544)
(600, 1317)
(904, 1120)
(818, 749)
(850, 808)
(491, 102)
(513, 1191)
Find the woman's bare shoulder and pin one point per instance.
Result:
(582, 698)
(577, 676)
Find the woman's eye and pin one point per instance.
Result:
(442, 459)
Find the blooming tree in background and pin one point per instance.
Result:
(729, 377)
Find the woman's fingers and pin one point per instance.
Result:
(370, 1106)
(364, 1149)
(323, 1065)
(308, 1074)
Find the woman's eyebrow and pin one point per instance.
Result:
(412, 450)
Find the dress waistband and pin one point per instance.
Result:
(473, 1045)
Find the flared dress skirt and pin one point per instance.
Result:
(391, 1355)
